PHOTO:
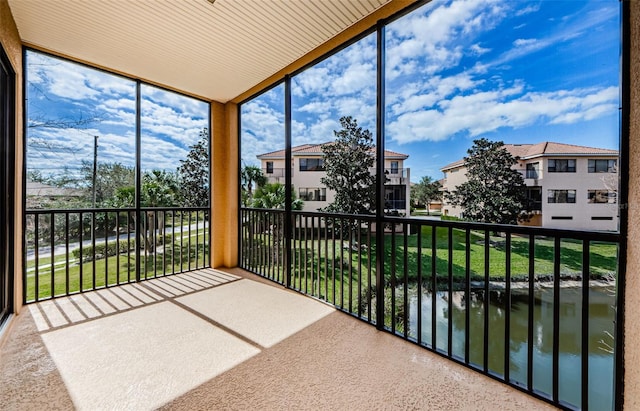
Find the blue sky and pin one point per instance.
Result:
(520, 72)
(516, 71)
(59, 89)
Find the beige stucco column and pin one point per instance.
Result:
(224, 185)
(632, 301)
(10, 40)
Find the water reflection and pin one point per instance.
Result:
(601, 323)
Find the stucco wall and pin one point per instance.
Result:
(10, 40)
(632, 300)
(582, 211)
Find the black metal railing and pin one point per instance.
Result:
(532, 307)
(390, 205)
(535, 174)
(274, 175)
(70, 251)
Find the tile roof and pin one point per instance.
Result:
(545, 148)
(552, 148)
(317, 150)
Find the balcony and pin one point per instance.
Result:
(275, 175)
(394, 176)
(501, 303)
(479, 308)
(223, 339)
(71, 251)
(511, 302)
(531, 177)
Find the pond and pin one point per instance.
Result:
(601, 324)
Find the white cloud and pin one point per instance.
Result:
(170, 122)
(431, 35)
(355, 77)
(426, 94)
(479, 50)
(317, 107)
(527, 10)
(262, 127)
(483, 112)
(312, 81)
(524, 42)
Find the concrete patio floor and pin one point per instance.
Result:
(216, 339)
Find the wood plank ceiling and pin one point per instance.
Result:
(215, 51)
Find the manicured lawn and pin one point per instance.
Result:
(313, 261)
(113, 270)
(603, 256)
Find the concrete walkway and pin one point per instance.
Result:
(224, 340)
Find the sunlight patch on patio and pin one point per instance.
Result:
(262, 313)
(133, 361)
(139, 346)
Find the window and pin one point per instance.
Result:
(269, 167)
(602, 197)
(562, 166)
(312, 194)
(602, 166)
(394, 167)
(311, 164)
(395, 197)
(532, 170)
(534, 199)
(561, 196)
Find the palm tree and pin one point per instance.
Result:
(250, 175)
(159, 189)
(273, 196)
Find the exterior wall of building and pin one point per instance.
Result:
(277, 173)
(311, 179)
(582, 212)
(453, 178)
(631, 349)
(10, 41)
(581, 215)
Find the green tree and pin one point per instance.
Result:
(64, 178)
(194, 173)
(347, 162)
(109, 178)
(159, 189)
(493, 192)
(273, 196)
(251, 175)
(425, 192)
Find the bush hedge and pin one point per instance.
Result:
(104, 250)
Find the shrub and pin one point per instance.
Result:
(104, 250)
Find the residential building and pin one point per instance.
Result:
(568, 186)
(40, 195)
(239, 344)
(308, 170)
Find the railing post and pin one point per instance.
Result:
(138, 190)
(288, 216)
(380, 179)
